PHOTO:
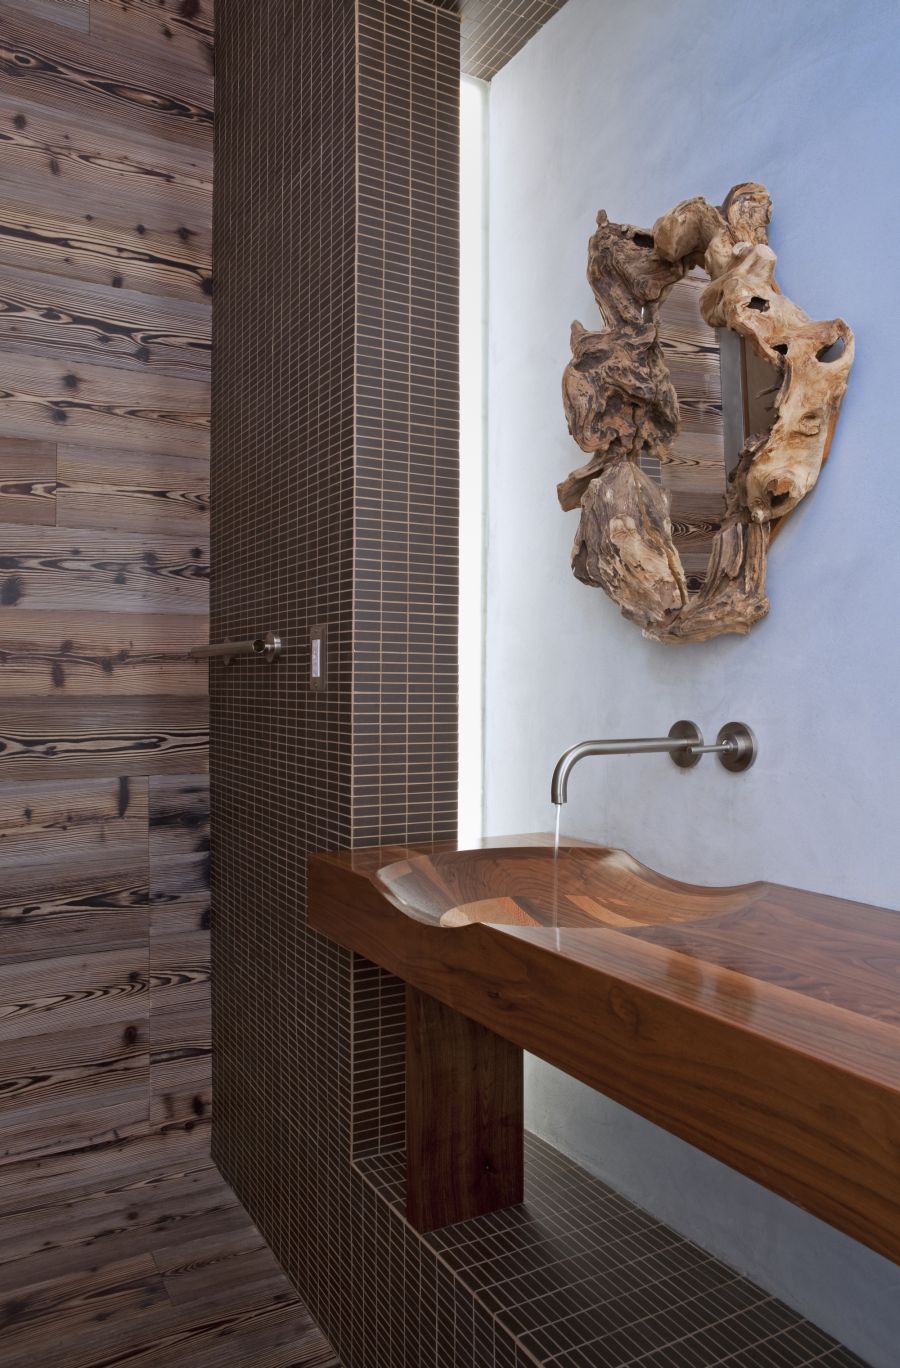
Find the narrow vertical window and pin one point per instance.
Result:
(473, 427)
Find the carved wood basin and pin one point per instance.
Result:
(760, 1023)
(526, 885)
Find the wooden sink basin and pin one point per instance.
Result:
(529, 885)
(759, 1022)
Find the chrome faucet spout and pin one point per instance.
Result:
(638, 745)
(735, 745)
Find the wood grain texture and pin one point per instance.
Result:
(194, 15)
(74, 1041)
(134, 38)
(623, 411)
(75, 869)
(81, 1084)
(69, 321)
(99, 655)
(145, 1267)
(89, 905)
(179, 852)
(82, 906)
(66, 992)
(83, 740)
(181, 1031)
(759, 1022)
(43, 823)
(73, 14)
(76, 1171)
(127, 59)
(180, 1090)
(157, 494)
(105, 297)
(464, 1117)
(103, 405)
(88, 570)
(164, 1204)
(76, 120)
(779, 467)
(162, 261)
(27, 481)
(112, 191)
(693, 473)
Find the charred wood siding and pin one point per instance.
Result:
(105, 284)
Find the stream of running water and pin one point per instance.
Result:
(555, 908)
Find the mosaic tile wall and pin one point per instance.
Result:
(493, 31)
(575, 1277)
(282, 537)
(335, 498)
(406, 504)
(407, 425)
(334, 501)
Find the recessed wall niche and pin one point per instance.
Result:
(706, 405)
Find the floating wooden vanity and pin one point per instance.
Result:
(760, 1023)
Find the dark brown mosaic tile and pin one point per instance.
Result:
(282, 546)
(404, 684)
(493, 31)
(557, 1286)
(335, 436)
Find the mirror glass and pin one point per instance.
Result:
(725, 393)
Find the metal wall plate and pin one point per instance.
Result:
(743, 750)
(318, 657)
(686, 731)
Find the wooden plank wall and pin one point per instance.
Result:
(105, 248)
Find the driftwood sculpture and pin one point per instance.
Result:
(620, 402)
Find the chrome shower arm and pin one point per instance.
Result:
(268, 648)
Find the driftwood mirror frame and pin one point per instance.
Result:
(620, 402)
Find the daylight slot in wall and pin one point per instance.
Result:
(472, 443)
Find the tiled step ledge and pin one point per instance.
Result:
(575, 1277)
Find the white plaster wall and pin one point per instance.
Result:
(632, 107)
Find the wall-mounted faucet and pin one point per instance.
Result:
(735, 746)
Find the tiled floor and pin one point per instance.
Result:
(578, 1277)
(151, 1271)
(166, 1270)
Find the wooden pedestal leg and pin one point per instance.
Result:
(464, 1127)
